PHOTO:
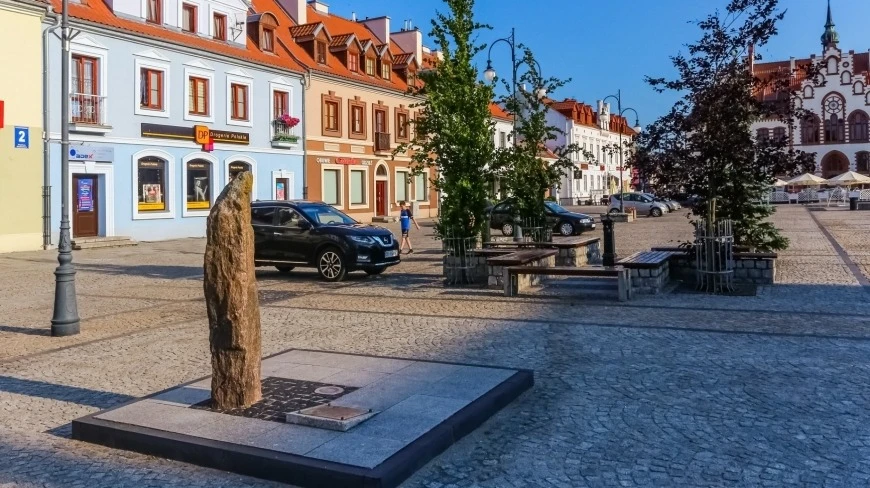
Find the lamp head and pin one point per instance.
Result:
(489, 74)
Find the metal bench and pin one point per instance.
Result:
(623, 277)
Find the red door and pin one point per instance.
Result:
(86, 219)
(381, 197)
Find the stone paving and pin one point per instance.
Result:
(675, 390)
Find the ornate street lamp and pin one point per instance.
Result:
(621, 111)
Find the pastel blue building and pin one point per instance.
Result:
(169, 100)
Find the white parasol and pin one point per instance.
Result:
(849, 178)
(806, 179)
(780, 183)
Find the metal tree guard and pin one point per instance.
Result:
(714, 256)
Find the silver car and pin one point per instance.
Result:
(641, 203)
(672, 205)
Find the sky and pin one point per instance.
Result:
(605, 46)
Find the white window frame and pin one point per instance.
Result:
(86, 46)
(408, 186)
(213, 180)
(291, 187)
(168, 196)
(244, 159)
(366, 190)
(341, 196)
(240, 80)
(425, 201)
(228, 35)
(208, 74)
(139, 64)
(280, 87)
(144, 11)
(199, 9)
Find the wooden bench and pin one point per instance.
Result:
(622, 275)
(650, 270)
(490, 253)
(521, 257)
(646, 259)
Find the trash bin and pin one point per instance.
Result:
(853, 203)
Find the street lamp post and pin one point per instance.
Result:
(65, 320)
(621, 111)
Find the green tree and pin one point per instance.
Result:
(704, 145)
(454, 132)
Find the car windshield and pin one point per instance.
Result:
(555, 208)
(326, 215)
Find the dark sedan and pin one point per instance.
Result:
(292, 234)
(558, 218)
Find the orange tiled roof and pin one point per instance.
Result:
(306, 30)
(98, 12)
(499, 113)
(340, 40)
(546, 153)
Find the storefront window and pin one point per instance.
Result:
(357, 187)
(198, 185)
(151, 184)
(331, 185)
(401, 186)
(237, 167)
(420, 187)
(282, 191)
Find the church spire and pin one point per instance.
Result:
(830, 38)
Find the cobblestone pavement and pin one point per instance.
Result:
(676, 390)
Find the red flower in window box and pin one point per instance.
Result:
(288, 120)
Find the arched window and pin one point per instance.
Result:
(237, 167)
(808, 92)
(810, 130)
(858, 88)
(833, 164)
(832, 65)
(858, 127)
(846, 78)
(762, 135)
(862, 160)
(381, 171)
(151, 184)
(835, 129)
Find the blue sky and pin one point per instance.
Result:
(605, 46)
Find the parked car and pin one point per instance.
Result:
(558, 218)
(642, 204)
(672, 205)
(685, 199)
(297, 234)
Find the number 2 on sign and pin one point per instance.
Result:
(22, 137)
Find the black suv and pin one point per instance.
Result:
(289, 234)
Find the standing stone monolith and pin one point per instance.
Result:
(231, 297)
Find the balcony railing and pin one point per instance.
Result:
(382, 142)
(87, 109)
(283, 135)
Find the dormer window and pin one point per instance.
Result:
(154, 11)
(220, 27)
(267, 40)
(320, 52)
(385, 70)
(370, 66)
(412, 78)
(353, 62)
(262, 27)
(188, 17)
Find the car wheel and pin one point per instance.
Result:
(656, 212)
(375, 271)
(284, 269)
(614, 211)
(507, 229)
(566, 229)
(330, 265)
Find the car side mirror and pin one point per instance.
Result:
(304, 225)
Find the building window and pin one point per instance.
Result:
(86, 102)
(862, 160)
(370, 66)
(151, 184)
(380, 121)
(385, 70)
(237, 167)
(353, 62)
(154, 11)
(199, 185)
(357, 120)
(188, 17)
(267, 41)
(835, 129)
(779, 134)
(357, 187)
(239, 101)
(151, 84)
(420, 187)
(762, 135)
(502, 139)
(331, 186)
(402, 126)
(220, 27)
(810, 130)
(858, 124)
(401, 186)
(412, 78)
(198, 98)
(280, 103)
(320, 52)
(330, 116)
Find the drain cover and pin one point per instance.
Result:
(334, 413)
(329, 390)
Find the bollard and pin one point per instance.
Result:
(518, 230)
(609, 256)
(853, 203)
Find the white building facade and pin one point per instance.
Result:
(839, 99)
(599, 133)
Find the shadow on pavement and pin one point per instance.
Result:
(52, 391)
(25, 330)
(144, 270)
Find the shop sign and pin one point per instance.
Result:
(346, 161)
(195, 134)
(85, 196)
(92, 153)
(584, 166)
(324, 160)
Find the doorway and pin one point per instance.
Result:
(381, 198)
(86, 215)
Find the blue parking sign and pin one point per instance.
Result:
(22, 137)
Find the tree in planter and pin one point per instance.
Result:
(454, 133)
(520, 168)
(704, 145)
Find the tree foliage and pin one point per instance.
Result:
(454, 132)
(704, 145)
(520, 168)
